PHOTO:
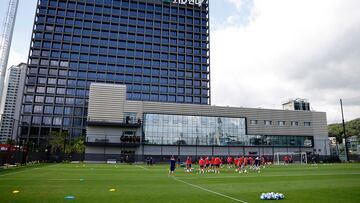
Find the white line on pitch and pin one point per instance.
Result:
(58, 179)
(26, 170)
(275, 175)
(142, 167)
(207, 190)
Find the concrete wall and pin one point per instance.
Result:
(106, 102)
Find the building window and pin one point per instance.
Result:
(36, 120)
(129, 117)
(307, 123)
(47, 120)
(253, 122)
(294, 123)
(38, 109)
(57, 121)
(39, 99)
(281, 123)
(267, 122)
(48, 109)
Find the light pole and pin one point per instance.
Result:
(344, 131)
(179, 146)
(196, 146)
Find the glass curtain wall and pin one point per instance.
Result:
(203, 130)
(193, 130)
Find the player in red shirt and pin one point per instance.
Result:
(212, 164)
(207, 163)
(286, 159)
(217, 164)
(188, 164)
(251, 162)
(245, 163)
(202, 165)
(241, 164)
(229, 161)
(236, 163)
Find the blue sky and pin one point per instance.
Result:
(265, 52)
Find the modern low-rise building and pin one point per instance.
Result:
(119, 127)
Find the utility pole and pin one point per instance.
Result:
(344, 131)
(5, 43)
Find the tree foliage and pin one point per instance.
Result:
(352, 128)
(57, 140)
(78, 145)
(10, 141)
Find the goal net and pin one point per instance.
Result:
(290, 157)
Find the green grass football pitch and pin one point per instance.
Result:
(137, 183)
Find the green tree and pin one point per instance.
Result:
(352, 128)
(78, 145)
(335, 130)
(10, 141)
(58, 140)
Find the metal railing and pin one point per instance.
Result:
(114, 139)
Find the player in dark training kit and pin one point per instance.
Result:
(257, 164)
(172, 166)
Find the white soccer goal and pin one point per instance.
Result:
(290, 157)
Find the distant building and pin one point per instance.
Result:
(332, 140)
(11, 104)
(297, 105)
(353, 143)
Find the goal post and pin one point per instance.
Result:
(290, 157)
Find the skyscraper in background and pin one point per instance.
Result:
(10, 108)
(7, 30)
(158, 48)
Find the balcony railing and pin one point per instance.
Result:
(113, 140)
(127, 123)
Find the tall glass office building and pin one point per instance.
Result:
(158, 48)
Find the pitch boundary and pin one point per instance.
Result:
(279, 175)
(26, 170)
(142, 167)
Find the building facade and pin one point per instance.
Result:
(11, 104)
(118, 127)
(297, 104)
(158, 48)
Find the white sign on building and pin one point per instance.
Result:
(190, 2)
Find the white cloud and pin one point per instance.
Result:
(289, 49)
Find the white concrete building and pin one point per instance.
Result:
(11, 101)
